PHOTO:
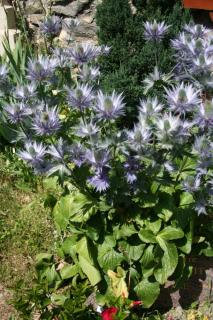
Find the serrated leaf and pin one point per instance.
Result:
(171, 233)
(73, 208)
(108, 258)
(148, 292)
(131, 252)
(125, 231)
(147, 236)
(154, 226)
(169, 261)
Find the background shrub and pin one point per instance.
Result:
(131, 58)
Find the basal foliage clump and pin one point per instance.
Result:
(137, 200)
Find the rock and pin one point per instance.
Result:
(72, 9)
(83, 10)
(33, 6)
(35, 19)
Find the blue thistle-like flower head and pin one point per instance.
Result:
(109, 106)
(81, 97)
(203, 149)
(17, 112)
(183, 98)
(88, 74)
(201, 64)
(200, 206)
(150, 107)
(131, 167)
(77, 154)
(192, 184)
(86, 129)
(41, 69)
(196, 30)
(139, 137)
(46, 122)
(51, 26)
(61, 56)
(26, 92)
(155, 31)
(100, 180)
(71, 24)
(98, 158)
(204, 115)
(84, 53)
(33, 154)
(171, 130)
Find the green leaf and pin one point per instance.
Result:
(91, 272)
(148, 292)
(171, 233)
(43, 258)
(147, 236)
(186, 199)
(126, 230)
(169, 260)
(73, 208)
(154, 226)
(148, 261)
(69, 271)
(86, 261)
(108, 258)
(58, 299)
(131, 252)
(149, 201)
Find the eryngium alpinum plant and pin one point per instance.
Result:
(137, 200)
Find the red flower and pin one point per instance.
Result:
(109, 313)
(135, 303)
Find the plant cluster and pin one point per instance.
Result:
(131, 57)
(136, 200)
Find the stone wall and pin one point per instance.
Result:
(83, 10)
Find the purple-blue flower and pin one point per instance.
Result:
(183, 98)
(84, 53)
(100, 180)
(109, 106)
(150, 107)
(41, 69)
(33, 153)
(88, 74)
(86, 129)
(155, 31)
(98, 158)
(139, 137)
(196, 30)
(204, 116)
(26, 92)
(17, 112)
(51, 26)
(46, 122)
(81, 97)
(131, 167)
(77, 154)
